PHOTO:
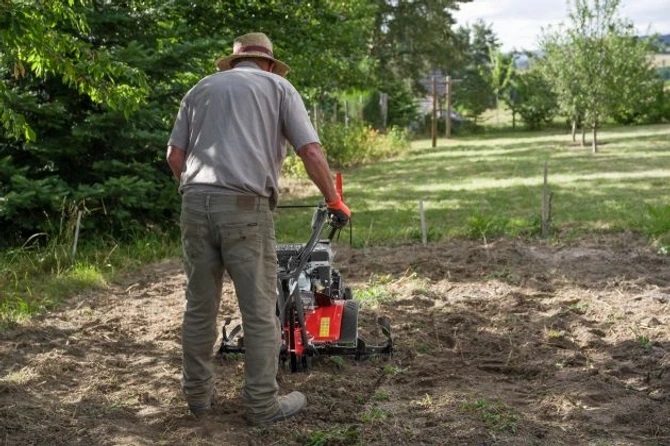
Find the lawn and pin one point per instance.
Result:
(492, 186)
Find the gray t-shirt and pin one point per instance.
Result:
(234, 126)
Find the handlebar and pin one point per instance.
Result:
(319, 220)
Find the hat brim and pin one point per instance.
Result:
(225, 63)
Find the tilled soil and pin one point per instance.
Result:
(506, 343)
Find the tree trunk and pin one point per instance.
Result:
(513, 120)
(583, 136)
(594, 145)
(574, 130)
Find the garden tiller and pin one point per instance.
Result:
(316, 309)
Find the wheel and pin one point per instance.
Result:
(349, 329)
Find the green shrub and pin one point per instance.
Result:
(352, 146)
(360, 144)
(293, 167)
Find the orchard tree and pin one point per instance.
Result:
(532, 98)
(500, 72)
(568, 84)
(635, 98)
(596, 63)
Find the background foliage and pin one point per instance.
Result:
(89, 90)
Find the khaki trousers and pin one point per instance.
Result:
(233, 233)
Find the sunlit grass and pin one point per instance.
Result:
(40, 276)
(496, 181)
(479, 186)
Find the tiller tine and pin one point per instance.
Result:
(363, 350)
(385, 324)
(228, 344)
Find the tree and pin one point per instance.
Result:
(593, 61)
(414, 37)
(42, 39)
(500, 73)
(475, 92)
(98, 83)
(633, 99)
(534, 99)
(473, 95)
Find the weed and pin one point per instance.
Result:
(424, 348)
(578, 307)
(656, 221)
(391, 370)
(338, 361)
(374, 415)
(348, 435)
(612, 318)
(376, 292)
(554, 334)
(494, 414)
(424, 403)
(20, 377)
(644, 342)
(485, 226)
(381, 395)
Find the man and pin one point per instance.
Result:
(226, 149)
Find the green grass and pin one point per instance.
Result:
(477, 186)
(494, 414)
(39, 276)
(491, 185)
(336, 435)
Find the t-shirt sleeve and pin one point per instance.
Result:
(180, 130)
(298, 129)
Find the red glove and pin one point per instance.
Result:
(338, 213)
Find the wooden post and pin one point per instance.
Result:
(76, 234)
(424, 232)
(433, 126)
(546, 204)
(346, 113)
(383, 107)
(447, 122)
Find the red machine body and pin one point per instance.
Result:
(323, 324)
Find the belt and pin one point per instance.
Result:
(242, 202)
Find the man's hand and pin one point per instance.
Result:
(338, 213)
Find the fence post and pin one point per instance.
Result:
(424, 232)
(546, 203)
(447, 122)
(433, 127)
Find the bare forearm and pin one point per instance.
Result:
(176, 157)
(318, 170)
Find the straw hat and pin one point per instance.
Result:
(252, 45)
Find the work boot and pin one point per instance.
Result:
(289, 405)
(200, 409)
